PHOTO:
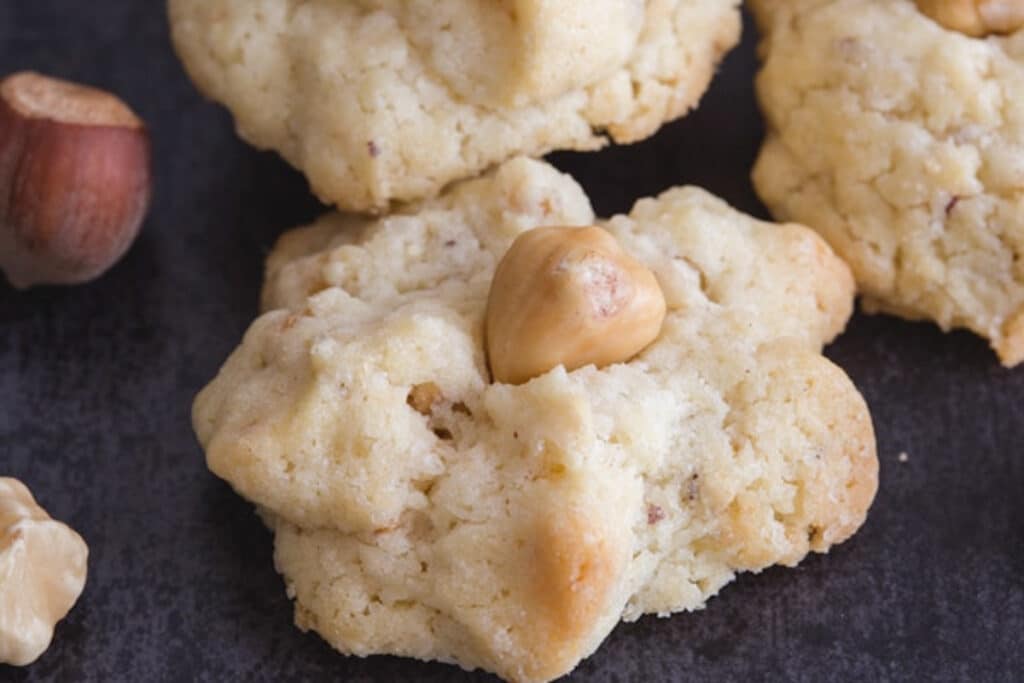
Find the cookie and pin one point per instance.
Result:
(422, 510)
(388, 100)
(900, 140)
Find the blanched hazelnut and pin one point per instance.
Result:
(74, 180)
(42, 573)
(977, 18)
(572, 297)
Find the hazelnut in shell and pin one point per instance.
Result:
(75, 180)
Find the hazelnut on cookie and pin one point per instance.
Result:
(488, 427)
(896, 130)
(391, 100)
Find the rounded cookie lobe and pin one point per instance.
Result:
(575, 568)
(898, 140)
(517, 566)
(819, 473)
(420, 509)
(784, 277)
(516, 52)
(389, 100)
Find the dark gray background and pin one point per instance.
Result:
(96, 384)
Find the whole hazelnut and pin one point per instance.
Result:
(977, 18)
(571, 297)
(42, 573)
(74, 180)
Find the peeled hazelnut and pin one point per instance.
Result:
(977, 18)
(572, 297)
(74, 180)
(42, 573)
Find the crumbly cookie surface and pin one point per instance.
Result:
(421, 510)
(901, 141)
(381, 100)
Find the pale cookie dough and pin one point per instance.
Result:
(421, 510)
(381, 100)
(902, 142)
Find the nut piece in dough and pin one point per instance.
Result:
(420, 509)
(383, 101)
(901, 143)
(571, 297)
(42, 573)
(976, 18)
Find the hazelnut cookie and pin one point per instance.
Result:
(422, 508)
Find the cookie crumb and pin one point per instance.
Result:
(903, 457)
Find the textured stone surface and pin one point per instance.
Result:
(96, 384)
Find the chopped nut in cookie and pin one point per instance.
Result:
(422, 397)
